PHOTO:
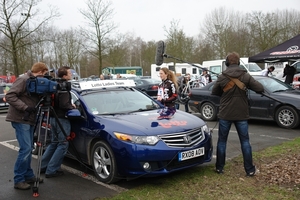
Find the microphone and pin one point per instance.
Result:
(160, 50)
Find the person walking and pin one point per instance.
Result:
(22, 115)
(167, 93)
(234, 109)
(55, 152)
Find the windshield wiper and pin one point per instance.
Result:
(142, 109)
(279, 91)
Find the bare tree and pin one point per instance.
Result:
(14, 19)
(117, 52)
(72, 46)
(178, 44)
(98, 15)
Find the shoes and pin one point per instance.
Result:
(43, 171)
(219, 171)
(57, 173)
(33, 179)
(253, 173)
(22, 186)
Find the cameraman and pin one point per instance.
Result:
(55, 152)
(22, 115)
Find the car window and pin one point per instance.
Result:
(118, 101)
(274, 85)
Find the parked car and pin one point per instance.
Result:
(281, 103)
(148, 85)
(117, 133)
(4, 87)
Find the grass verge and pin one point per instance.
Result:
(203, 183)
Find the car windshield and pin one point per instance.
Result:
(118, 102)
(274, 85)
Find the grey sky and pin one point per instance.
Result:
(146, 18)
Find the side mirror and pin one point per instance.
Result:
(73, 114)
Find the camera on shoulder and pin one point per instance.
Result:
(46, 85)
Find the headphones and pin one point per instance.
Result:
(227, 63)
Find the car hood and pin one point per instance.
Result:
(146, 123)
(287, 96)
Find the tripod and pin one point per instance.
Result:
(44, 108)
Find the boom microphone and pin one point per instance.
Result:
(160, 50)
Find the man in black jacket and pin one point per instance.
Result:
(234, 109)
(55, 152)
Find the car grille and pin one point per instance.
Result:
(183, 139)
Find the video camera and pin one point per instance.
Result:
(46, 85)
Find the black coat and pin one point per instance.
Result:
(289, 72)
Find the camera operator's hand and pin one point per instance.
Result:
(30, 109)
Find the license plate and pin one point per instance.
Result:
(191, 154)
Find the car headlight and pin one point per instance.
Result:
(206, 129)
(146, 140)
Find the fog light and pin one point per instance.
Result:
(146, 166)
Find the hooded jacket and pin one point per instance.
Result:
(234, 102)
(19, 100)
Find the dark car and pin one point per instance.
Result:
(281, 103)
(147, 85)
(117, 133)
(4, 87)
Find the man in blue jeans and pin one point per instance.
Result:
(22, 115)
(234, 108)
(55, 152)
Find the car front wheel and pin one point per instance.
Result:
(208, 112)
(104, 163)
(287, 117)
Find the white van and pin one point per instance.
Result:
(217, 66)
(178, 68)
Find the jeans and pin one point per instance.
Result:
(56, 151)
(186, 107)
(22, 168)
(242, 129)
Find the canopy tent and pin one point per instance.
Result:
(286, 51)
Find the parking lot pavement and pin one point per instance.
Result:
(69, 186)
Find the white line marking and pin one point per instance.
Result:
(70, 170)
(280, 138)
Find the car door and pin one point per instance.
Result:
(259, 106)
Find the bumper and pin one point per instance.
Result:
(137, 160)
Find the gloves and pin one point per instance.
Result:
(30, 109)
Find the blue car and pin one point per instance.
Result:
(117, 133)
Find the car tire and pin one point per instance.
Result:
(287, 117)
(104, 162)
(208, 112)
